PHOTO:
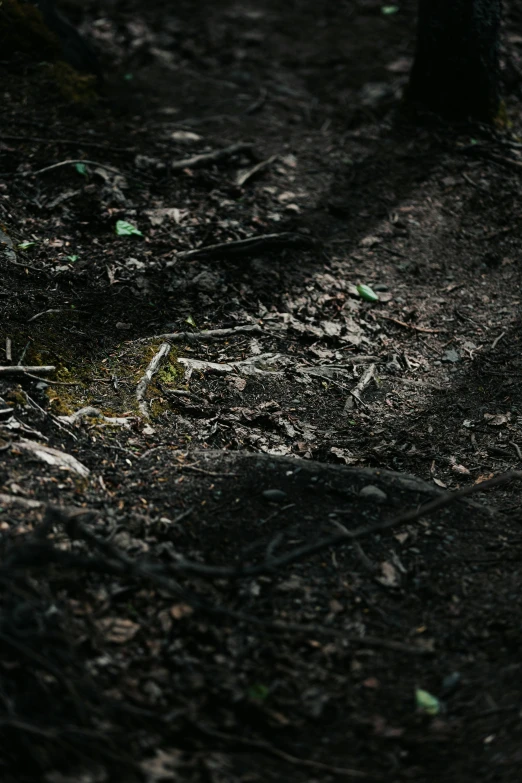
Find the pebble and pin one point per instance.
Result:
(371, 492)
(275, 495)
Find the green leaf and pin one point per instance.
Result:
(81, 168)
(388, 10)
(191, 321)
(72, 259)
(124, 229)
(366, 293)
(258, 692)
(25, 245)
(426, 702)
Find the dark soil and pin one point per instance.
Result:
(232, 578)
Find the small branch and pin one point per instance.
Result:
(517, 449)
(307, 550)
(310, 629)
(247, 174)
(52, 311)
(361, 386)
(20, 369)
(142, 386)
(254, 365)
(208, 335)
(207, 158)
(246, 248)
(89, 410)
(414, 327)
(295, 761)
(497, 340)
(71, 163)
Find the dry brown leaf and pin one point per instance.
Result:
(118, 630)
(179, 611)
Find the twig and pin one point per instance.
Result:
(281, 754)
(208, 335)
(70, 163)
(20, 369)
(48, 415)
(52, 310)
(497, 340)
(247, 174)
(27, 266)
(251, 246)
(414, 327)
(143, 384)
(202, 470)
(206, 158)
(320, 630)
(307, 550)
(517, 449)
(120, 563)
(89, 410)
(361, 386)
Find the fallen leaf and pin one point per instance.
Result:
(390, 576)
(179, 611)
(497, 419)
(427, 703)
(118, 630)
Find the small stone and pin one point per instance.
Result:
(275, 495)
(451, 356)
(371, 492)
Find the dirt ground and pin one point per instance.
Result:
(230, 545)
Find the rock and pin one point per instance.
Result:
(275, 495)
(371, 492)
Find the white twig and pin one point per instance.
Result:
(197, 161)
(142, 386)
(261, 364)
(497, 340)
(361, 386)
(115, 421)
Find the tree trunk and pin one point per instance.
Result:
(456, 71)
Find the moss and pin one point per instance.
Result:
(105, 378)
(17, 396)
(75, 87)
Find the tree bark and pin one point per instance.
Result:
(456, 70)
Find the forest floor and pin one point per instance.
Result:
(221, 571)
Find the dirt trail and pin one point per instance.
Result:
(163, 615)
